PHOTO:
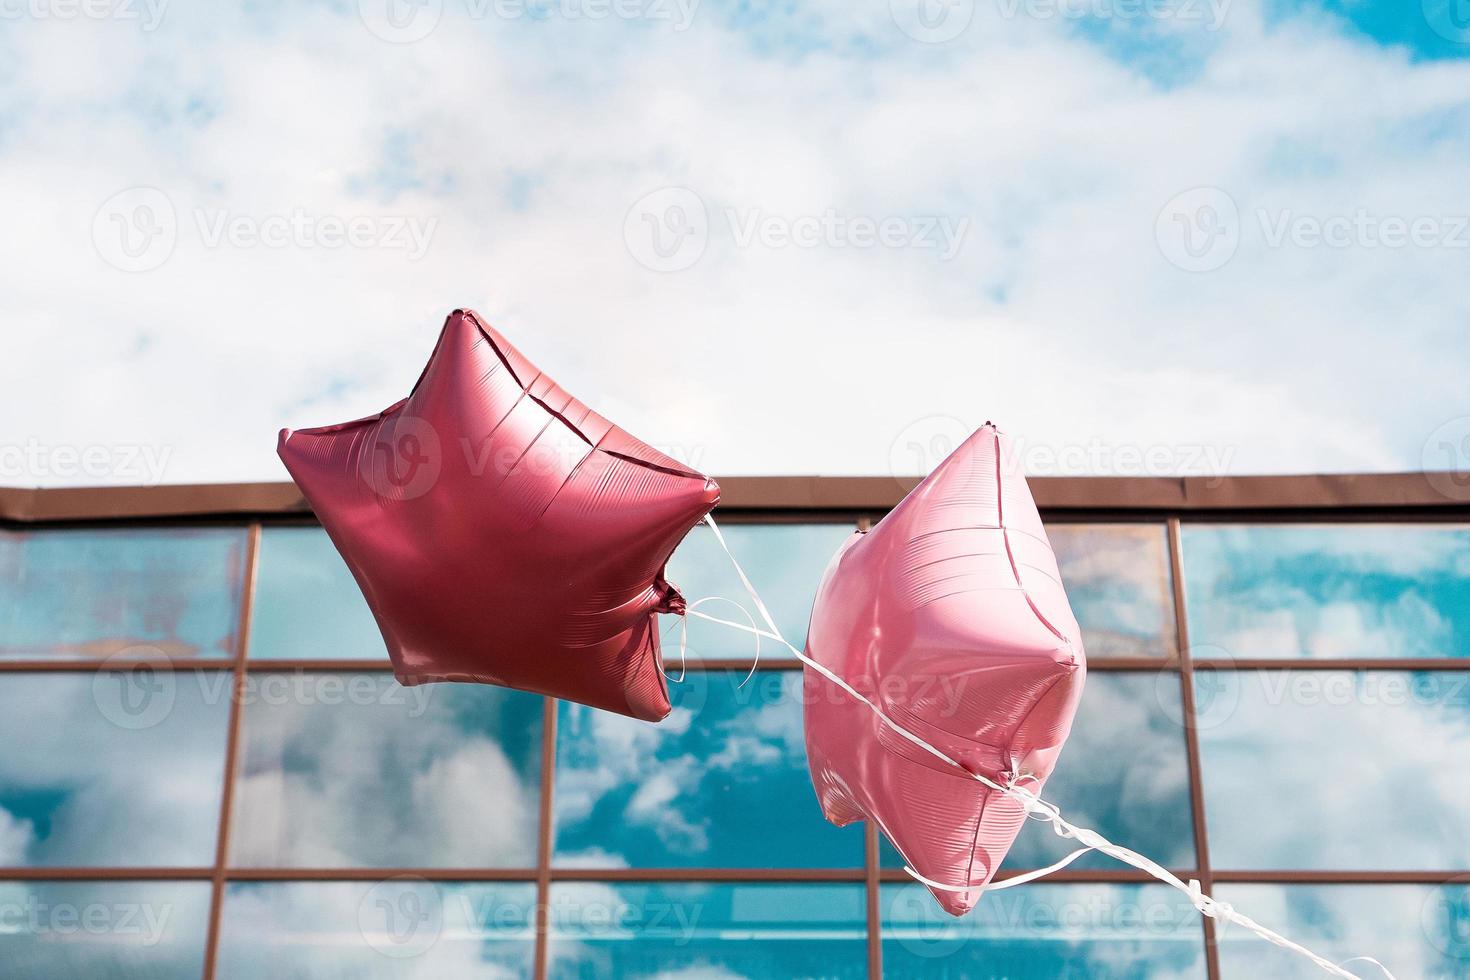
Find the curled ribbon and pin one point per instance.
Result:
(1010, 786)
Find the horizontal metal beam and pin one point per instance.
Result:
(1413, 492)
(856, 874)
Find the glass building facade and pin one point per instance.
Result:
(209, 771)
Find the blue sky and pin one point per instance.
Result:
(1146, 236)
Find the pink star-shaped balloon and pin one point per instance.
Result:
(949, 615)
(503, 532)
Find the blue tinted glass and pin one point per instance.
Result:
(1328, 591)
(52, 929)
(1042, 932)
(112, 767)
(351, 770)
(785, 562)
(1335, 769)
(395, 928)
(91, 594)
(719, 932)
(1138, 798)
(1420, 931)
(307, 604)
(1118, 582)
(722, 782)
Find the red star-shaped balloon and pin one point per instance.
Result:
(503, 532)
(949, 616)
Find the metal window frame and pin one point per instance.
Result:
(1165, 502)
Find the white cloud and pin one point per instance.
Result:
(528, 142)
(383, 788)
(1331, 769)
(322, 928)
(166, 811)
(16, 836)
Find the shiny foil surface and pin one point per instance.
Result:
(950, 616)
(503, 532)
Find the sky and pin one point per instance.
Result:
(1146, 237)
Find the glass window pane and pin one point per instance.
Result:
(1414, 930)
(721, 783)
(1118, 582)
(785, 562)
(352, 770)
(112, 768)
(1044, 931)
(1335, 769)
(307, 604)
(720, 932)
(153, 929)
(1138, 798)
(1329, 591)
(399, 927)
(91, 594)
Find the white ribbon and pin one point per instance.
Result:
(1033, 804)
(684, 634)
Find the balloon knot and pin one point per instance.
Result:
(672, 601)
